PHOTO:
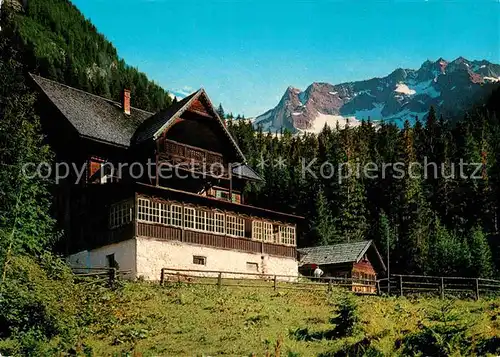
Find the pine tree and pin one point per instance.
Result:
(449, 255)
(322, 226)
(220, 112)
(25, 222)
(481, 259)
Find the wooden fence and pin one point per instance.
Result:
(104, 274)
(257, 280)
(404, 285)
(400, 285)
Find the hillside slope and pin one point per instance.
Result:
(405, 94)
(46, 311)
(185, 320)
(56, 41)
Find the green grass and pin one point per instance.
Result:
(46, 311)
(196, 320)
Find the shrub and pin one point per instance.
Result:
(347, 317)
(444, 335)
(38, 308)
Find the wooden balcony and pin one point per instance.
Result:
(193, 158)
(191, 153)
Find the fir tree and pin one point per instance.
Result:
(323, 227)
(481, 260)
(26, 225)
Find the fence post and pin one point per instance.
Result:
(442, 287)
(329, 285)
(401, 285)
(219, 280)
(378, 288)
(275, 283)
(477, 288)
(112, 277)
(162, 276)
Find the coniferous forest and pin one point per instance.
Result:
(442, 221)
(437, 224)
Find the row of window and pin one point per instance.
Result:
(150, 211)
(121, 213)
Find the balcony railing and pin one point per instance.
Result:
(193, 158)
(191, 153)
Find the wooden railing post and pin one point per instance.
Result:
(219, 280)
(329, 285)
(401, 285)
(162, 276)
(275, 283)
(442, 288)
(477, 288)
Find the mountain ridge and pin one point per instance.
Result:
(404, 94)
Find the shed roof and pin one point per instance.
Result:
(338, 253)
(93, 116)
(246, 172)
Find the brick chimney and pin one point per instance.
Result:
(126, 101)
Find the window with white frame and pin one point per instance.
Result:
(120, 213)
(220, 226)
(257, 230)
(210, 221)
(143, 209)
(287, 235)
(200, 220)
(164, 213)
(189, 217)
(176, 215)
(235, 226)
(267, 232)
(148, 210)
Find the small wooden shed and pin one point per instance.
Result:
(357, 262)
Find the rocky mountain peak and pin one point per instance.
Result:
(404, 94)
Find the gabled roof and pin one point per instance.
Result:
(155, 125)
(338, 253)
(93, 116)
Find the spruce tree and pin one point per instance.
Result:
(25, 222)
(322, 226)
(481, 259)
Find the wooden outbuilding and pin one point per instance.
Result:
(358, 263)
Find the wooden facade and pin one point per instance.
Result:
(188, 138)
(359, 263)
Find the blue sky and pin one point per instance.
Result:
(246, 53)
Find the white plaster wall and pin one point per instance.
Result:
(125, 255)
(153, 255)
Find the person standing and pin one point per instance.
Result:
(317, 272)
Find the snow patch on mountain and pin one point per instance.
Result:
(332, 121)
(403, 88)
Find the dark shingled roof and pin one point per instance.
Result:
(93, 116)
(336, 254)
(149, 127)
(103, 119)
(246, 172)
